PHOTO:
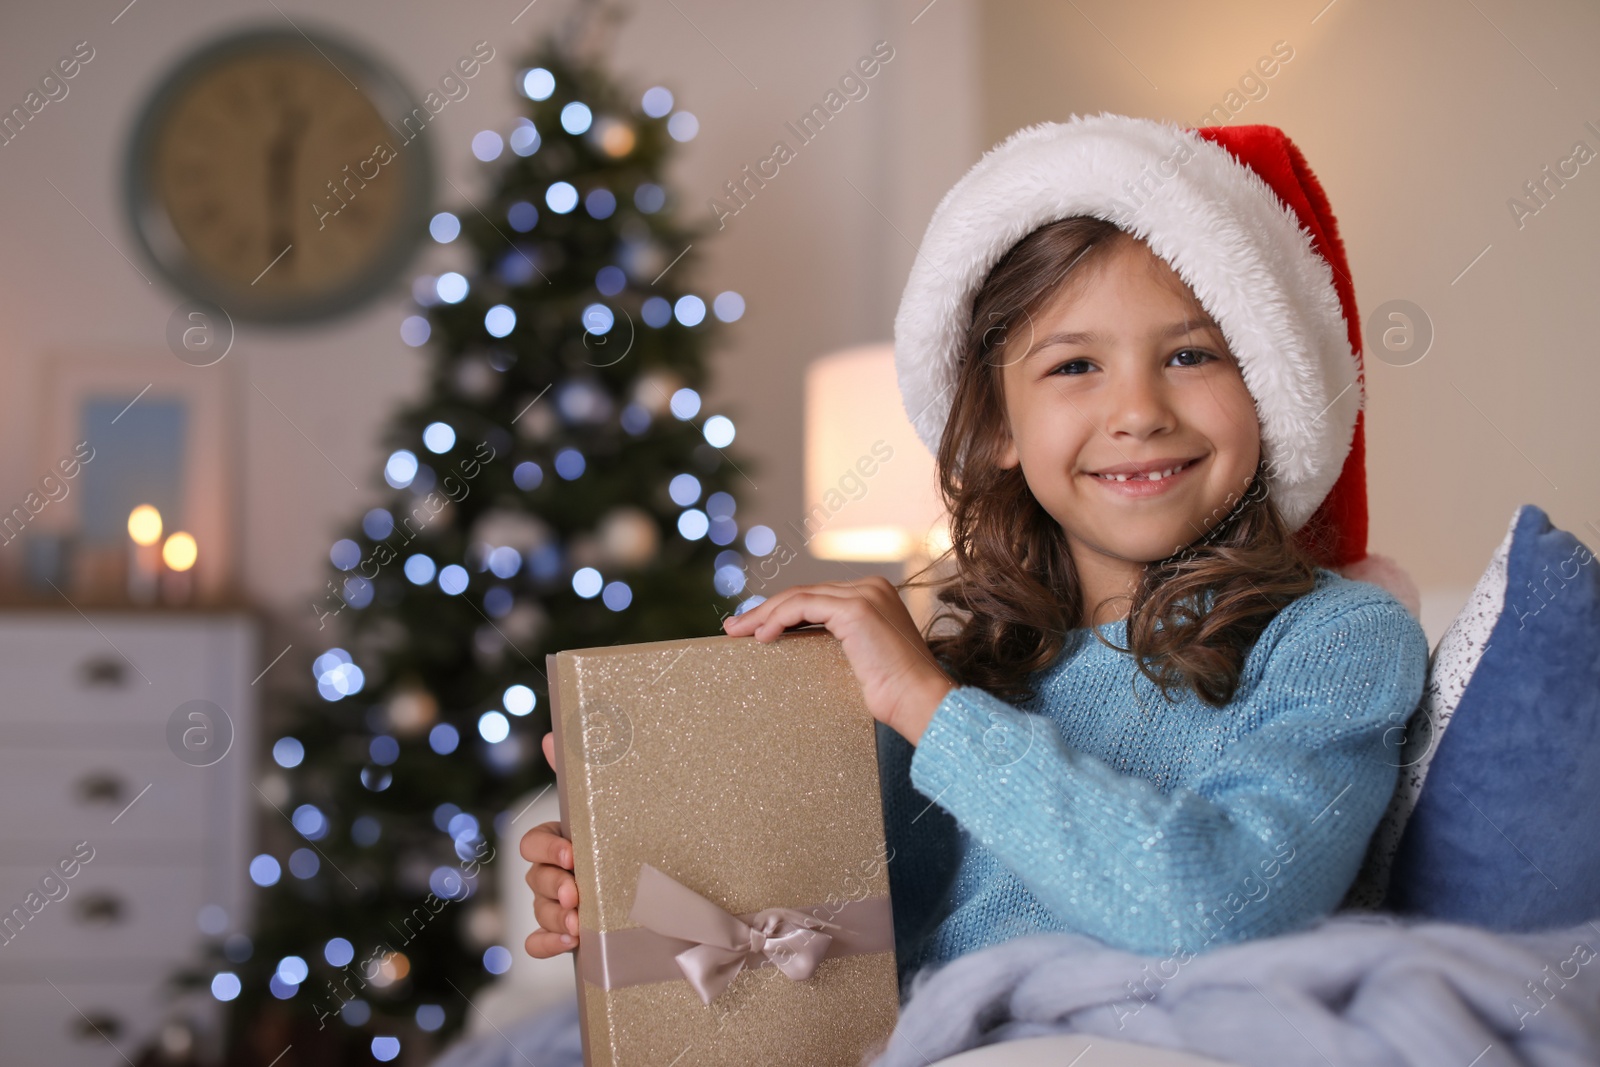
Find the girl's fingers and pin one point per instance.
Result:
(553, 917)
(548, 743)
(805, 604)
(542, 944)
(553, 882)
(544, 844)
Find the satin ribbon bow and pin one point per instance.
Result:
(791, 939)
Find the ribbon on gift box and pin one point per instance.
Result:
(682, 935)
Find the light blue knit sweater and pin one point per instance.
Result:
(1159, 828)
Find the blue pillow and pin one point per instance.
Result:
(1503, 832)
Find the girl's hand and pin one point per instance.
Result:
(900, 679)
(555, 891)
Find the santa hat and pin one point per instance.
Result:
(1238, 215)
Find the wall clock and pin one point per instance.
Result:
(266, 175)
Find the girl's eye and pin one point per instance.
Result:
(1192, 357)
(1073, 366)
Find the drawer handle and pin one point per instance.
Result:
(103, 908)
(100, 787)
(93, 1025)
(104, 670)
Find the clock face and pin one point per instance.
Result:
(276, 179)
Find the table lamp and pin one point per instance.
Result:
(870, 488)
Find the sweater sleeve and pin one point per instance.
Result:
(1264, 838)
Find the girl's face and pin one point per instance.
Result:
(1127, 412)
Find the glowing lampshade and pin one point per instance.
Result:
(144, 525)
(179, 551)
(870, 489)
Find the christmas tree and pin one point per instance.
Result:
(558, 486)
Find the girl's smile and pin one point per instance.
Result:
(1134, 481)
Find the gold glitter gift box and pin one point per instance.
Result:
(722, 800)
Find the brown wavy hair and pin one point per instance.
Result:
(1014, 596)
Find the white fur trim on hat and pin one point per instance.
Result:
(1211, 218)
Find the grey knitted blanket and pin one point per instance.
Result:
(1357, 989)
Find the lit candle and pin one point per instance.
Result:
(179, 554)
(144, 560)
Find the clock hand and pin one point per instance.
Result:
(280, 178)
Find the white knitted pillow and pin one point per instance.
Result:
(1450, 668)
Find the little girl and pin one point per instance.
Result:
(1150, 711)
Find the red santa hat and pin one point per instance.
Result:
(1239, 216)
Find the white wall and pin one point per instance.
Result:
(818, 264)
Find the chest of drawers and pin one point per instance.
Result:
(92, 765)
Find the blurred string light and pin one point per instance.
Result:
(366, 831)
(358, 591)
(649, 198)
(355, 1012)
(423, 290)
(487, 145)
(385, 1048)
(444, 738)
(586, 582)
(504, 561)
(569, 463)
(689, 310)
(718, 431)
(310, 822)
(439, 437)
(537, 84)
(400, 468)
(384, 750)
(453, 579)
(304, 863)
(598, 319)
(497, 959)
(225, 985)
(683, 126)
(576, 117)
(527, 475)
(760, 540)
(430, 1017)
(338, 952)
(684, 489)
(451, 287)
(419, 569)
(415, 331)
(337, 676)
(287, 752)
(600, 203)
(728, 306)
(377, 524)
(561, 197)
(657, 101)
(525, 138)
(498, 601)
(685, 403)
(656, 312)
(519, 700)
(610, 280)
(264, 870)
(635, 418)
(345, 554)
(444, 227)
(493, 727)
(693, 524)
(499, 320)
(522, 216)
(616, 596)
